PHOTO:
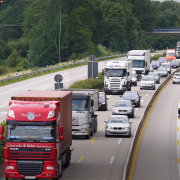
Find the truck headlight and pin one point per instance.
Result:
(11, 113)
(50, 167)
(51, 114)
(9, 167)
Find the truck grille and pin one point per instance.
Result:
(30, 168)
(30, 153)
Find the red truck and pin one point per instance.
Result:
(38, 135)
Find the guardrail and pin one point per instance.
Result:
(166, 29)
(138, 129)
(57, 67)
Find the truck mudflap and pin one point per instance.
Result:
(29, 169)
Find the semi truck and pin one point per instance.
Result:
(117, 77)
(140, 61)
(38, 135)
(178, 50)
(84, 104)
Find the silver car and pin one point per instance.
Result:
(156, 77)
(118, 125)
(123, 107)
(176, 78)
(162, 71)
(175, 63)
(147, 82)
(167, 66)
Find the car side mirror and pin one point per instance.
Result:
(140, 96)
(133, 105)
(105, 121)
(131, 122)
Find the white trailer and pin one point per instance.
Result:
(117, 77)
(140, 61)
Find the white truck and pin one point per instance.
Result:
(84, 104)
(140, 61)
(117, 77)
(178, 50)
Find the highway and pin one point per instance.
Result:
(158, 154)
(100, 157)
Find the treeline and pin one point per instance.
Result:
(46, 32)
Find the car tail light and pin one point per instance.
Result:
(174, 77)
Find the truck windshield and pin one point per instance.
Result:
(30, 133)
(115, 72)
(138, 63)
(80, 105)
(170, 54)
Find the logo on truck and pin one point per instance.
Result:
(31, 115)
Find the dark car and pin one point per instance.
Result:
(155, 64)
(162, 60)
(102, 101)
(133, 96)
(156, 77)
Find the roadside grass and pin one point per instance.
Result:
(157, 56)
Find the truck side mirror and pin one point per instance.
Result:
(102, 72)
(60, 128)
(146, 64)
(1, 137)
(1, 129)
(127, 73)
(92, 102)
(179, 111)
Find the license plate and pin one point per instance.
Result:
(30, 177)
(114, 91)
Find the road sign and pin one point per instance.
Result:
(92, 58)
(58, 78)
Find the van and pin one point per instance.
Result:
(171, 54)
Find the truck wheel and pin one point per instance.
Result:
(87, 136)
(68, 158)
(95, 124)
(92, 129)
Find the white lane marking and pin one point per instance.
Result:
(119, 142)
(146, 94)
(137, 108)
(4, 105)
(142, 100)
(112, 159)
(3, 113)
(41, 81)
(109, 96)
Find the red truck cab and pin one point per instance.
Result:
(38, 135)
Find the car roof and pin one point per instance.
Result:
(117, 116)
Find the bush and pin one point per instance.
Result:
(157, 56)
(89, 83)
(2, 143)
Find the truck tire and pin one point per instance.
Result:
(68, 158)
(92, 129)
(95, 124)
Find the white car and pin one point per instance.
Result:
(176, 78)
(147, 82)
